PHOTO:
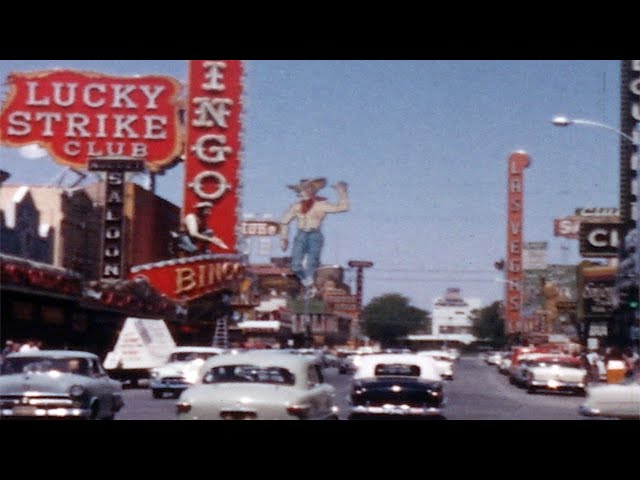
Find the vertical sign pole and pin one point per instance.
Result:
(517, 162)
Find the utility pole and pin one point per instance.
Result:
(359, 265)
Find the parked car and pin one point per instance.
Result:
(57, 384)
(397, 385)
(557, 374)
(259, 385)
(614, 400)
(519, 368)
(505, 363)
(444, 362)
(181, 370)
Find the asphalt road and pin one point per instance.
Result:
(478, 392)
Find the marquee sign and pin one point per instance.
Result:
(185, 279)
(212, 156)
(78, 115)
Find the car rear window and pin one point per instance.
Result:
(396, 369)
(79, 366)
(249, 374)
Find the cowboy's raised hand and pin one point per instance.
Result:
(341, 186)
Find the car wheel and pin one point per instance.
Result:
(176, 394)
(95, 408)
(531, 389)
(157, 393)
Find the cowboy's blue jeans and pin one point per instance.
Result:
(309, 244)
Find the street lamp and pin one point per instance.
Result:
(561, 121)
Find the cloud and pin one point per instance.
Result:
(32, 151)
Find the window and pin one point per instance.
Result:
(397, 369)
(249, 374)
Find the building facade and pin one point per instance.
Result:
(452, 318)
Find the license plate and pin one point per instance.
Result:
(24, 411)
(238, 416)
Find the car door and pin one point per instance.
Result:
(320, 393)
(101, 388)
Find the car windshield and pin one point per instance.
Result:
(397, 369)
(190, 356)
(249, 374)
(15, 365)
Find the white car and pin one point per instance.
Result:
(614, 400)
(259, 385)
(557, 374)
(444, 362)
(181, 370)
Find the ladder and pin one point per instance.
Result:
(221, 334)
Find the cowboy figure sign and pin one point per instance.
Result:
(194, 236)
(310, 211)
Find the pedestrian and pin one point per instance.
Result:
(310, 210)
(8, 347)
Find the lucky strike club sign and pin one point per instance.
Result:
(213, 145)
(77, 115)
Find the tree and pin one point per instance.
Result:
(489, 324)
(389, 317)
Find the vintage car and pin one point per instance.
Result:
(397, 386)
(57, 384)
(621, 400)
(444, 362)
(556, 373)
(519, 367)
(181, 370)
(259, 385)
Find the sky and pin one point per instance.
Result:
(423, 146)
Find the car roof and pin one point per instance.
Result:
(197, 349)
(428, 370)
(296, 364)
(272, 358)
(53, 353)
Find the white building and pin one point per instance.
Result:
(451, 318)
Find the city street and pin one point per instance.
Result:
(478, 392)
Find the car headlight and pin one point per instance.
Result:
(76, 391)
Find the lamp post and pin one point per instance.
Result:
(560, 121)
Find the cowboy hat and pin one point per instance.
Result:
(316, 184)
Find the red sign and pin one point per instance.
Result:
(514, 269)
(186, 279)
(568, 227)
(213, 145)
(77, 115)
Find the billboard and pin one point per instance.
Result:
(78, 115)
(534, 256)
(212, 154)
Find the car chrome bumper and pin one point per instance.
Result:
(39, 412)
(558, 385)
(160, 385)
(396, 410)
(588, 411)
